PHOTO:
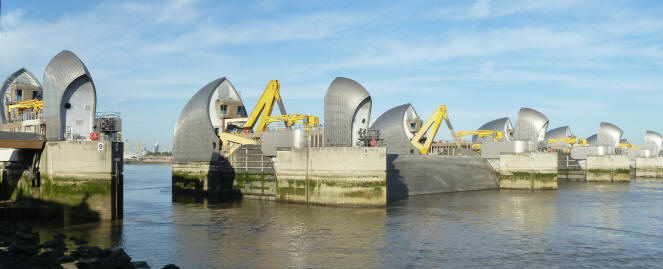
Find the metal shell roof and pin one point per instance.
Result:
(530, 125)
(592, 139)
(559, 132)
(194, 137)
(654, 142)
(61, 72)
(344, 98)
(502, 125)
(21, 76)
(393, 129)
(609, 135)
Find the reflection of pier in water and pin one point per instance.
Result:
(281, 235)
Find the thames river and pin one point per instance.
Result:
(580, 225)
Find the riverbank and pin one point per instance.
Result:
(149, 159)
(21, 247)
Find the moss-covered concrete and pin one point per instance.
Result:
(327, 190)
(528, 180)
(608, 175)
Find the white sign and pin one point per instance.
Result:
(100, 146)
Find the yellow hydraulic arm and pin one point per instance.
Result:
(433, 124)
(264, 107)
(629, 146)
(496, 135)
(34, 104)
(309, 121)
(568, 141)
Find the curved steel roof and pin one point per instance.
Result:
(592, 139)
(21, 76)
(194, 138)
(393, 129)
(60, 73)
(343, 100)
(502, 125)
(559, 133)
(654, 141)
(531, 125)
(609, 135)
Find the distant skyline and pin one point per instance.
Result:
(578, 62)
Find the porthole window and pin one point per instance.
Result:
(67, 106)
(411, 151)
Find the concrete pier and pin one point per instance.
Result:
(649, 167)
(528, 171)
(348, 176)
(608, 168)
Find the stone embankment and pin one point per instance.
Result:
(20, 247)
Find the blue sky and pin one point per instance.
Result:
(578, 62)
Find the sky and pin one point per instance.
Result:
(577, 62)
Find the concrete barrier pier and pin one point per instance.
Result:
(528, 171)
(608, 168)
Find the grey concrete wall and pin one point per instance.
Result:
(77, 159)
(531, 171)
(83, 176)
(649, 167)
(645, 167)
(332, 176)
(424, 174)
(608, 168)
(201, 178)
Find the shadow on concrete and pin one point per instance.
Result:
(27, 208)
(396, 189)
(219, 179)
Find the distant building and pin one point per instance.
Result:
(156, 148)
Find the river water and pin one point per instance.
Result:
(581, 225)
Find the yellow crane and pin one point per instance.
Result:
(261, 115)
(265, 106)
(308, 121)
(570, 141)
(496, 135)
(433, 124)
(629, 146)
(34, 104)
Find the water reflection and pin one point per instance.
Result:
(580, 225)
(277, 235)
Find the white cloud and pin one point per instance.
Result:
(481, 8)
(490, 9)
(474, 44)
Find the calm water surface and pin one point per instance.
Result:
(580, 225)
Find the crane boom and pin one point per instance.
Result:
(264, 107)
(569, 141)
(34, 104)
(496, 135)
(433, 124)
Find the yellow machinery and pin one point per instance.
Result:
(496, 135)
(309, 121)
(569, 141)
(262, 115)
(265, 106)
(433, 124)
(34, 104)
(629, 146)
